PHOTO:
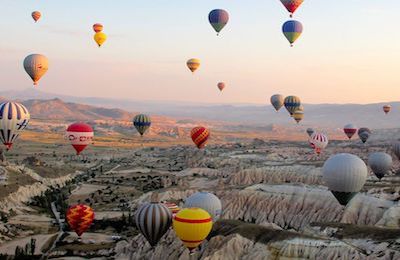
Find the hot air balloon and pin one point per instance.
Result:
(153, 220)
(200, 136)
(172, 207)
(79, 135)
(350, 130)
(192, 226)
(100, 38)
(36, 65)
(291, 5)
(221, 86)
(319, 142)
(292, 30)
(193, 64)
(310, 131)
(396, 149)
(363, 134)
(387, 108)
(97, 27)
(292, 103)
(14, 117)
(344, 174)
(298, 115)
(207, 201)
(79, 218)
(364, 129)
(218, 18)
(380, 163)
(36, 16)
(142, 123)
(277, 101)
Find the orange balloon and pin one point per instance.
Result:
(97, 27)
(221, 86)
(200, 136)
(36, 15)
(79, 218)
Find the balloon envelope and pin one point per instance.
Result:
(79, 218)
(200, 136)
(207, 201)
(153, 220)
(97, 27)
(218, 18)
(142, 123)
(36, 16)
(344, 174)
(291, 5)
(350, 130)
(192, 226)
(14, 117)
(298, 115)
(292, 30)
(100, 38)
(221, 86)
(310, 131)
(292, 103)
(387, 108)
(277, 101)
(380, 163)
(319, 142)
(80, 135)
(193, 64)
(36, 65)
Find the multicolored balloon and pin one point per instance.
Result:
(192, 226)
(79, 218)
(80, 135)
(292, 103)
(298, 115)
(193, 64)
(153, 220)
(218, 18)
(319, 142)
(277, 101)
(200, 136)
(221, 86)
(350, 130)
(344, 174)
(36, 16)
(387, 108)
(36, 65)
(142, 123)
(292, 30)
(100, 38)
(14, 117)
(97, 27)
(292, 5)
(172, 207)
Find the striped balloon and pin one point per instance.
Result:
(153, 220)
(192, 226)
(97, 27)
(292, 30)
(79, 218)
(142, 123)
(36, 65)
(172, 207)
(396, 149)
(292, 103)
(36, 16)
(218, 18)
(200, 136)
(319, 142)
(291, 5)
(14, 117)
(298, 115)
(350, 130)
(193, 64)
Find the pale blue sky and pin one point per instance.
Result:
(349, 50)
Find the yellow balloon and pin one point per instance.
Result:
(298, 115)
(100, 38)
(192, 226)
(193, 64)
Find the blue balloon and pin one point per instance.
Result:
(218, 18)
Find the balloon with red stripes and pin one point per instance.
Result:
(200, 136)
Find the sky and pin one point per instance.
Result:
(349, 51)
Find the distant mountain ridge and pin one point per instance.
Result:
(321, 115)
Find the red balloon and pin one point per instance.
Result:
(79, 218)
(97, 27)
(80, 135)
(221, 86)
(200, 136)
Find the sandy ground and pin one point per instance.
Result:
(109, 214)
(9, 247)
(87, 189)
(87, 238)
